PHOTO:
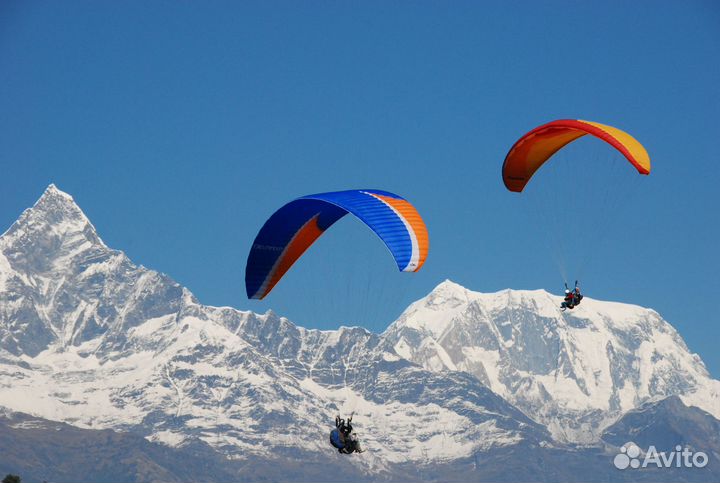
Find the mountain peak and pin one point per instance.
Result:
(449, 285)
(53, 191)
(54, 223)
(447, 290)
(57, 207)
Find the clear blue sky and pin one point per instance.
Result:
(179, 127)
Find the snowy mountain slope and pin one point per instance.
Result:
(575, 371)
(212, 385)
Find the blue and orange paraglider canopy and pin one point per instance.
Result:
(290, 231)
(537, 146)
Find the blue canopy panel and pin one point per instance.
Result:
(290, 231)
(336, 439)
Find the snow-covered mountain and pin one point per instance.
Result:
(575, 371)
(91, 339)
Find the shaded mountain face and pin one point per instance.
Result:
(42, 450)
(93, 340)
(667, 424)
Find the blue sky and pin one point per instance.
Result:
(179, 127)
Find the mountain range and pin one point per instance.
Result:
(110, 371)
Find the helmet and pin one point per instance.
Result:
(567, 290)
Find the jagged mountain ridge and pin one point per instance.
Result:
(89, 338)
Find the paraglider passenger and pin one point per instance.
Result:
(568, 301)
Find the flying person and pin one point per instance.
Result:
(569, 300)
(538, 146)
(343, 438)
(577, 295)
(572, 297)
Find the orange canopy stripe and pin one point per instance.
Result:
(302, 240)
(416, 229)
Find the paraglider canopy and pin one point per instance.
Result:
(537, 146)
(290, 231)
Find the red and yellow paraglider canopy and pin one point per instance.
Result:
(534, 148)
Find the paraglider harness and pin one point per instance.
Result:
(343, 438)
(572, 298)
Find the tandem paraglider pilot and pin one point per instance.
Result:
(572, 298)
(343, 438)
